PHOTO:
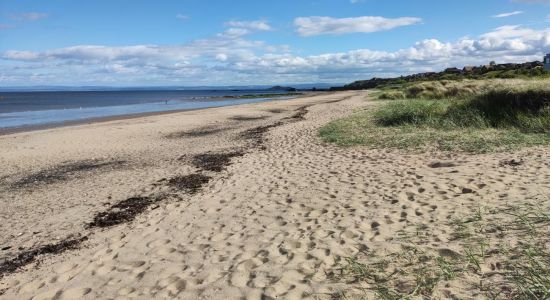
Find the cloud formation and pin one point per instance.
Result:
(241, 28)
(251, 25)
(29, 16)
(312, 26)
(237, 59)
(508, 14)
(182, 17)
(546, 2)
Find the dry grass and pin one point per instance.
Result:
(445, 89)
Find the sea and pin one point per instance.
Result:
(38, 108)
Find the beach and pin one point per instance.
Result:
(240, 202)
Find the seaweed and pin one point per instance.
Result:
(24, 258)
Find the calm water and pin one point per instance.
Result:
(19, 109)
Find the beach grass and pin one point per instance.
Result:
(505, 257)
(470, 116)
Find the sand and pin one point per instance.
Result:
(274, 221)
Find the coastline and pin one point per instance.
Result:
(30, 128)
(238, 202)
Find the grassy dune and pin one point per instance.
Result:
(498, 252)
(471, 116)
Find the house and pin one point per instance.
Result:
(547, 63)
(468, 69)
(453, 70)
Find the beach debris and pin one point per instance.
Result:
(442, 164)
(511, 162)
(300, 114)
(26, 257)
(215, 162)
(248, 118)
(276, 110)
(189, 183)
(199, 132)
(338, 100)
(122, 212)
(129, 209)
(256, 134)
(467, 191)
(65, 172)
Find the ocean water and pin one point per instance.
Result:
(21, 109)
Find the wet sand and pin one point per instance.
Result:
(239, 202)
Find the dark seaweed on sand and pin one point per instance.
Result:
(189, 183)
(122, 212)
(64, 172)
(24, 258)
(215, 162)
(256, 134)
(300, 114)
(248, 118)
(130, 208)
(199, 132)
(276, 110)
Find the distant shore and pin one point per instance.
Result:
(29, 128)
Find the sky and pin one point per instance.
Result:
(259, 42)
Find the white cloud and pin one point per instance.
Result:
(508, 14)
(182, 17)
(239, 60)
(311, 26)
(546, 2)
(30, 16)
(239, 29)
(251, 25)
(222, 57)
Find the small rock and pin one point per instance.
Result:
(442, 164)
(511, 162)
(467, 191)
(405, 287)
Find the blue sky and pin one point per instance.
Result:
(206, 42)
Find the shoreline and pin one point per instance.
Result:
(89, 121)
(247, 202)
(134, 151)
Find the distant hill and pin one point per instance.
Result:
(278, 88)
(492, 70)
(285, 87)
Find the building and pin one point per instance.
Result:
(547, 62)
(453, 70)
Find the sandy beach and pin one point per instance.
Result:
(240, 202)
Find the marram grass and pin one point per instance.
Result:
(503, 115)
